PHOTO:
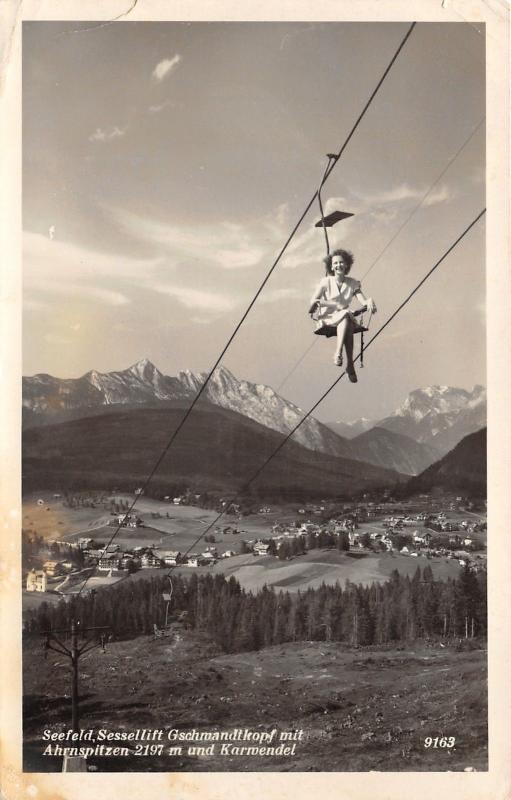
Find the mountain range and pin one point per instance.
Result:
(436, 416)
(429, 423)
(51, 399)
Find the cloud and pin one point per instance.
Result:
(63, 268)
(277, 295)
(79, 291)
(405, 193)
(230, 246)
(383, 215)
(196, 299)
(226, 245)
(442, 194)
(159, 107)
(101, 135)
(107, 296)
(163, 68)
(397, 194)
(237, 247)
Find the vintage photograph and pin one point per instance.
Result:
(254, 471)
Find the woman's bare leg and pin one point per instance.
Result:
(345, 339)
(342, 330)
(348, 344)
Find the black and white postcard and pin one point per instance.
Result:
(256, 331)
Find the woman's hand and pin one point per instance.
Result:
(314, 307)
(371, 305)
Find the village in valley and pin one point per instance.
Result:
(445, 532)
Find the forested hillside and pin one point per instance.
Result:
(399, 610)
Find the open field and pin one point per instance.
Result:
(326, 566)
(54, 521)
(32, 600)
(359, 709)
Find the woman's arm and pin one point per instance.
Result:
(316, 297)
(365, 301)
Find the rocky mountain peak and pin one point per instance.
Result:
(144, 369)
(433, 400)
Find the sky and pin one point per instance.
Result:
(165, 165)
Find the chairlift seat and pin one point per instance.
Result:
(330, 219)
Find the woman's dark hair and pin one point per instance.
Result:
(347, 256)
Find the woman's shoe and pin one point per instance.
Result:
(352, 375)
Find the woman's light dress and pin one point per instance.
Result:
(334, 300)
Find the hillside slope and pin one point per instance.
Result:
(393, 450)
(217, 449)
(464, 468)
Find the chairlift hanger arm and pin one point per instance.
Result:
(329, 220)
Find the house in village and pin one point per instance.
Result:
(128, 520)
(149, 560)
(171, 558)
(194, 560)
(95, 555)
(53, 568)
(309, 527)
(108, 562)
(228, 554)
(420, 538)
(36, 580)
(84, 542)
(127, 560)
(261, 548)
